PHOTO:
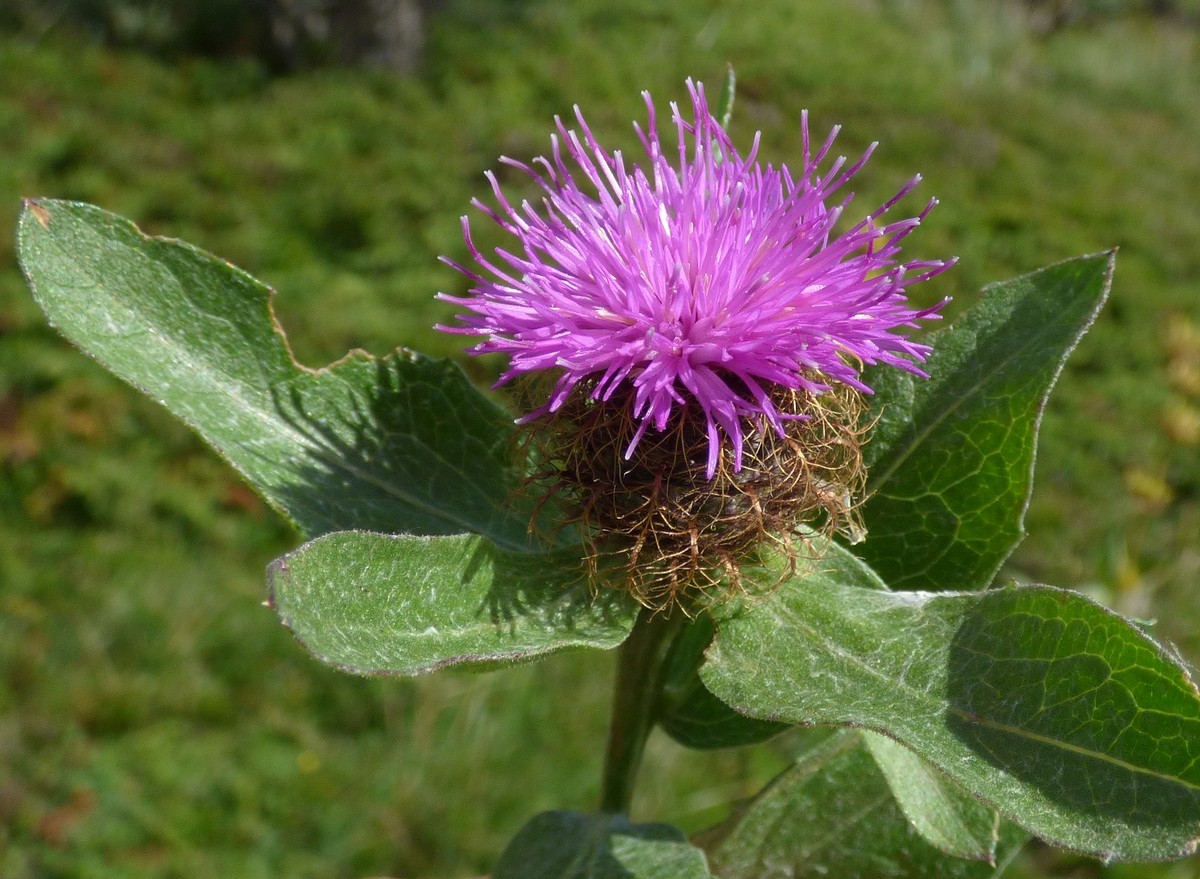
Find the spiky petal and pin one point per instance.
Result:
(699, 281)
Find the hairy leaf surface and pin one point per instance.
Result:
(936, 807)
(693, 716)
(1061, 715)
(832, 814)
(950, 458)
(402, 444)
(379, 604)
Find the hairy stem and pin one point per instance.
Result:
(641, 669)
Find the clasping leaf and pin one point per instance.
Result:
(435, 562)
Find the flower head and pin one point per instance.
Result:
(698, 278)
(701, 326)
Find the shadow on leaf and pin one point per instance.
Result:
(552, 588)
(1077, 705)
(402, 445)
(573, 845)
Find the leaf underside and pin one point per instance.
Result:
(832, 814)
(944, 814)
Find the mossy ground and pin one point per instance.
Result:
(155, 720)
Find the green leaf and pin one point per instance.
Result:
(572, 845)
(380, 604)
(832, 814)
(693, 716)
(704, 722)
(950, 459)
(1061, 715)
(937, 808)
(399, 445)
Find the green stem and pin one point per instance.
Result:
(641, 669)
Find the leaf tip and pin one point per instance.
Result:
(39, 211)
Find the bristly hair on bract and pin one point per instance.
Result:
(692, 335)
(659, 526)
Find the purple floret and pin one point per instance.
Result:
(708, 280)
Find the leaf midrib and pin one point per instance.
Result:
(976, 720)
(958, 401)
(230, 387)
(973, 719)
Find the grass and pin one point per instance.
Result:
(155, 720)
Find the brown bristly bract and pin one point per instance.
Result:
(658, 527)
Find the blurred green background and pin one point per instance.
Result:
(155, 720)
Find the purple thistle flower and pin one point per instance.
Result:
(703, 282)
